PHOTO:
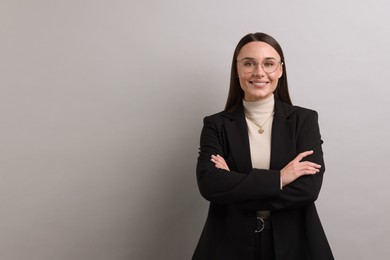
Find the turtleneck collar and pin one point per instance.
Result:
(259, 108)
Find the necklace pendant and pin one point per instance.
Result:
(260, 131)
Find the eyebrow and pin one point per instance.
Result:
(266, 58)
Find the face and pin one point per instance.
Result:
(253, 59)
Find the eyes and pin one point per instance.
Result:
(266, 64)
(249, 64)
(269, 65)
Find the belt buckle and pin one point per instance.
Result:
(259, 225)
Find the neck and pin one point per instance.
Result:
(260, 108)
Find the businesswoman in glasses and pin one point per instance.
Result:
(261, 166)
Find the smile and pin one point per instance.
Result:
(258, 84)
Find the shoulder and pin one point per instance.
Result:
(305, 112)
(217, 116)
(293, 111)
(226, 116)
(305, 119)
(217, 120)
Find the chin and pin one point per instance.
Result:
(261, 96)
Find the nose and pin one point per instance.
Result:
(258, 70)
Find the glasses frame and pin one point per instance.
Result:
(257, 64)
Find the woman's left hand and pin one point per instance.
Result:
(219, 162)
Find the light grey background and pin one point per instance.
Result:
(101, 108)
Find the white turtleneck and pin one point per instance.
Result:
(260, 112)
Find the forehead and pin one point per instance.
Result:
(258, 50)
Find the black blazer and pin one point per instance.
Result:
(236, 195)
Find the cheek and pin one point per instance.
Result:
(242, 78)
(276, 75)
(242, 83)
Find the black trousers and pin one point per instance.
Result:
(264, 245)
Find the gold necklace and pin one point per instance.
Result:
(261, 130)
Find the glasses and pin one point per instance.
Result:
(269, 65)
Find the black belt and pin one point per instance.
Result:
(262, 224)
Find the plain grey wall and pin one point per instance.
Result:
(101, 108)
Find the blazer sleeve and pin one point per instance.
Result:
(305, 189)
(225, 187)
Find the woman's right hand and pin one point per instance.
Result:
(295, 169)
(219, 162)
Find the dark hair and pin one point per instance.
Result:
(236, 94)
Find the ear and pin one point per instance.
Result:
(281, 70)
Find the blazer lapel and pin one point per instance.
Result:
(237, 134)
(282, 140)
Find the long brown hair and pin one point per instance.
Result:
(236, 94)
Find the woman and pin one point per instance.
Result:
(261, 166)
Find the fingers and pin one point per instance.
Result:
(300, 167)
(297, 168)
(217, 158)
(219, 162)
(303, 168)
(312, 165)
(303, 155)
(309, 170)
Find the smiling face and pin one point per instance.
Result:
(252, 59)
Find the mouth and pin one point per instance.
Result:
(259, 83)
